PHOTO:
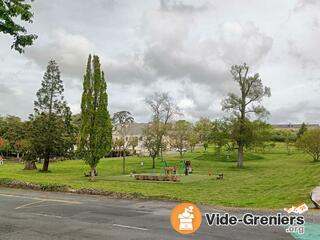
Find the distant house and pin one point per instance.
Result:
(293, 126)
(133, 130)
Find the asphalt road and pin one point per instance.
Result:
(32, 215)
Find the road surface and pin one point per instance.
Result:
(33, 215)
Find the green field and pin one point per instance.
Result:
(270, 180)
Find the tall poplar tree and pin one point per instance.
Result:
(96, 127)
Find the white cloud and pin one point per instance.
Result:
(69, 50)
(184, 47)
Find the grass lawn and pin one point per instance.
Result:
(270, 180)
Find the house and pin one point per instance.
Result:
(135, 131)
(132, 131)
(294, 127)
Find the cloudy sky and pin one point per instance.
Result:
(185, 48)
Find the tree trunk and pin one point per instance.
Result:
(93, 174)
(240, 155)
(46, 164)
(124, 162)
(153, 162)
(29, 165)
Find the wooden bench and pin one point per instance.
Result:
(173, 178)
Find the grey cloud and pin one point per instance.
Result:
(304, 60)
(167, 5)
(243, 42)
(208, 62)
(5, 90)
(303, 111)
(183, 47)
(11, 100)
(302, 4)
(178, 66)
(129, 72)
(69, 50)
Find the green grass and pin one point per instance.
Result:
(270, 180)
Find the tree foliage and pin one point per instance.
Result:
(179, 135)
(220, 134)
(96, 126)
(310, 143)
(12, 13)
(151, 142)
(122, 120)
(163, 110)
(303, 128)
(13, 130)
(50, 129)
(203, 128)
(133, 142)
(193, 138)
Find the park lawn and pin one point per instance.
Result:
(270, 180)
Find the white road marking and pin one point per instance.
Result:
(130, 227)
(46, 215)
(29, 204)
(41, 199)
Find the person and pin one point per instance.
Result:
(1, 160)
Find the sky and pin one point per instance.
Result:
(185, 48)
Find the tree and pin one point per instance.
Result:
(69, 135)
(13, 12)
(5, 146)
(220, 134)
(193, 138)
(13, 129)
(28, 154)
(133, 142)
(2, 142)
(248, 102)
(117, 144)
(261, 134)
(310, 143)
(47, 123)
(96, 127)
(289, 138)
(151, 142)
(163, 110)
(303, 128)
(203, 127)
(122, 121)
(179, 135)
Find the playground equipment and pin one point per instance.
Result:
(172, 170)
(187, 167)
(168, 170)
(220, 176)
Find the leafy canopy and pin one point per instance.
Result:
(12, 12)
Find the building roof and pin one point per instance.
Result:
(293, 126)
(135, 129)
